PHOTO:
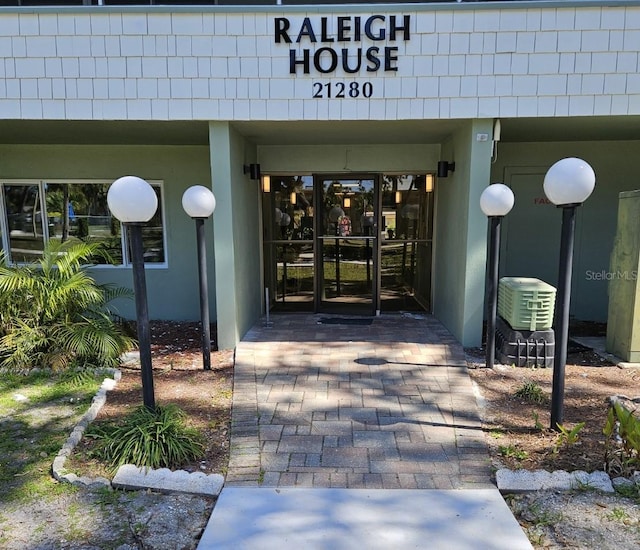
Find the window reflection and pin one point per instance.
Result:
(406, 247)
(24, 221)
(348, 207)
(152, 235)
(289, 212)
(373, 241)
(80, 212)
(71, 211)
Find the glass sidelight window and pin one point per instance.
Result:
(36, 212)
(288, 214)
(23, 239)
(406, 242)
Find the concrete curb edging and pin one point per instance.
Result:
(164, 480)
(519, 481)
(98, 401)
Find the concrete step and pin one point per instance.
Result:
(247, 518)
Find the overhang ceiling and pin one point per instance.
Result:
(593, 128)
(363, 132)
(103, 132)
(514, 130)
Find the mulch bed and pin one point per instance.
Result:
(519, 428)
(178, 378)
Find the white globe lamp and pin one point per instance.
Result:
(496, 200)
(567, 184)
(132, 200)
(569, 181)
(198, 201)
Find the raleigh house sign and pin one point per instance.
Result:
(359, 43)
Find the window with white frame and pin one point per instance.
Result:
(34, 212)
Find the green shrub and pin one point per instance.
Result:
(622, 447)
(53, 314)
(567, 437)
(531, 391)
(512, 451)
(154, 438)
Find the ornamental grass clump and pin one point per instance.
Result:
(157, 438)
(532, 392)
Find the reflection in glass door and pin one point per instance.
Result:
(406, 236)
(346, 244)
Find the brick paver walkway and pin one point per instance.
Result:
(388, 405)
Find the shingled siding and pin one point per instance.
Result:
(143, 64)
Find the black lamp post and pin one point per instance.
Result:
(199, 203)
(567, 184)
(134, 202)
(496, 202)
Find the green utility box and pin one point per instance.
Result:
(623, 324)
(526, 303)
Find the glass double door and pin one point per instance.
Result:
(353, 244)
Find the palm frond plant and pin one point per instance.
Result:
(53, 313)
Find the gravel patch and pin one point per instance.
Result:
(88, 519)
(582, 519)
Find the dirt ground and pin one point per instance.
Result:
(519, 425)
(516, 419)
(67, 517)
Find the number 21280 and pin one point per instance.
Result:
(342, 90)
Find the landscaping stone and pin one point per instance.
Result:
(164, 480)
(57, 468)
(93, 482)
(510, 481)
(622, 483)
(630, 403)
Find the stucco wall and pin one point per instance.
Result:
(449, 236)
(460, 235)
(531, 248)
(308, 159)
(237, 235)
(247, 234)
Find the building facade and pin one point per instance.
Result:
(347, 146)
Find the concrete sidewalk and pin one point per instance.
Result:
(361, 519)
(333, 402)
